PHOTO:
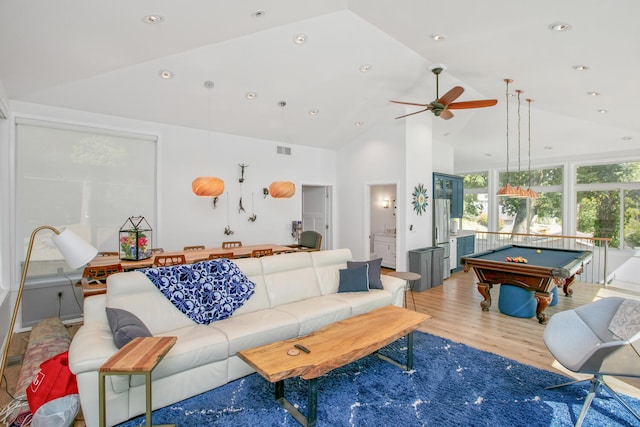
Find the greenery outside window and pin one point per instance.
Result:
(608, 196)
(539, 216)
(476, 202)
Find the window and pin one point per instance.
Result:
(89, 180)
(476, 201)
(608, 199)
(539, 216)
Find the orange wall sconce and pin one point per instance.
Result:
(282, 189)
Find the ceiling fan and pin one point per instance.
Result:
(441, 105)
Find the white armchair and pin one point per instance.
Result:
(582, 341)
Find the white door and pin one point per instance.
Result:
(316, 211)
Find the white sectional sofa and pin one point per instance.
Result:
(295, 294)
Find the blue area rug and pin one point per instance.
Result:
(451, 385)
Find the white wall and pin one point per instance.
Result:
(375, 158)
(184, 154)
(5, 307)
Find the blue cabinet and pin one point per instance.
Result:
(450, 187)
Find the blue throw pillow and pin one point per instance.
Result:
(354, 279)
(374, 271)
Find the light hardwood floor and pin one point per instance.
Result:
(456, 315)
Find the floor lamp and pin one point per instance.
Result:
(76, 253)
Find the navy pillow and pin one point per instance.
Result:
(374, 271)
(354, 279)
(125, 326)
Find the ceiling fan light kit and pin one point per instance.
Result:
(441, 106)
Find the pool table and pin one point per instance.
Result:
(544, 269)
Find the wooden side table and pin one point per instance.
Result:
(410, 277)
(138, 357)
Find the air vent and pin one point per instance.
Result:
(284, 150)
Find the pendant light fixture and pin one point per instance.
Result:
(507, 190)
(519, 191)
(208, 186)
(530, 193)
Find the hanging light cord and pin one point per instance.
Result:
(529, 138)
(519, 92)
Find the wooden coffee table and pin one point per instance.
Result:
(333, 346)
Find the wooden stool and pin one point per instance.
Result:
(138, 357)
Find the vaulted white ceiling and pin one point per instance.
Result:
(101, 57)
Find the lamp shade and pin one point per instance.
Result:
(76, 251)
(282, 189)
(207, 186)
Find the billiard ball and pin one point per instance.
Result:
(538, 251)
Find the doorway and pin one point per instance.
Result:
(316, 212)
(382, 224)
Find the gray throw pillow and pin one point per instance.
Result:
(125, 326)
(374, 271)
(354, 279)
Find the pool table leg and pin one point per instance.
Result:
(566, 285)
(485, 291)
(544, 299)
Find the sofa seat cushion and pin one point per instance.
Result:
(257, 328)
(363, 302)
(197, 345)
(314, 313)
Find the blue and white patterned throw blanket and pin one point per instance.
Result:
(205, 291)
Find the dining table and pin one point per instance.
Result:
(191, 256)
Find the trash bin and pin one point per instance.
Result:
(428, 263)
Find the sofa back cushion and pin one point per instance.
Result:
(289, 278)
(327, 265)
(252, 268)
(132, 291)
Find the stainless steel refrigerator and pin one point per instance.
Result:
(441, 224)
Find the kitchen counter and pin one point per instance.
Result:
(463, 233)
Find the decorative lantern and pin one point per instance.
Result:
(282, 189)
(207, 186)
(135, 239)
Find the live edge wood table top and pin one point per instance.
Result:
(335, 345)
(328, 348)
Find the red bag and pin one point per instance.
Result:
(53, 381)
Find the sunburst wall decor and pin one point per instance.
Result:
(420, 198)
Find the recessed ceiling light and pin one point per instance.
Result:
(153, 19)
(282, 104)
(580, 67)
(259, 14)
(166, 74)
(208, 84)
(603, 111)
(559, 26)
(359, 124)
(365, 67)
(488, 155)
(593, 93)
(548, 147)
(437, 37)
(251, 95)
(300, 38)
(313, 111)
(627, 138)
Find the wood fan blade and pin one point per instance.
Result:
(446, 114)
(451, 96)
(473, 104)
(411, 114)
(410, 103)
